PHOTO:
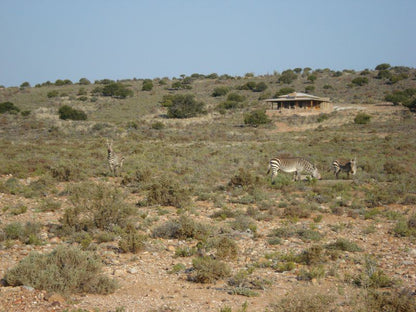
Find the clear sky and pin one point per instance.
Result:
(96, 39)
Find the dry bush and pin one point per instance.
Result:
(95, 206)
(208, 270)
(65, 270)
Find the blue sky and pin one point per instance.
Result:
(96, 39)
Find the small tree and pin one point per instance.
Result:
(288, 76)
(116, 89)
(185, 106)
(84, 81)
(25, 85)
(383, 66)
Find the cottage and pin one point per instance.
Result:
(297, 100)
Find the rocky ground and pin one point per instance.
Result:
(147, 284)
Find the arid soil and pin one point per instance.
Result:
(146, 282)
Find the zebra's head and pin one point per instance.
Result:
(316, 174)
(353, 163)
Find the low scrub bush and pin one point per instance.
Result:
(256, 118)
(182, 228)
(362, 119)
(95, 206)
(168, 193)
(395, 300)
(27, 234)
(131, 240)
(65, 270)
(220, 91)
(208, 270)
(306, 300)
(344, 245)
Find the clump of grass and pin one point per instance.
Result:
(208, 270)
(305, 300)
(372, 276)
(225, 213)
(243, 224)
(49, 205)
(17, 209)
(65, 270)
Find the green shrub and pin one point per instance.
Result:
(220, 91)
(147, 85)
(256, 118)
(208, 270)
(66, 112)
(65, 270)
(360, 81)
(185, 106)
(52, 94)
(362, 119)
(8, 107)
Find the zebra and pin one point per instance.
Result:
(293, 164)
(115, 160)
(349, 166)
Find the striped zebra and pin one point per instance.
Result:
(349, 166)
(115, 160)
(293, 164)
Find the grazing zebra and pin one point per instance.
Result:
(293, 164)
(349, 166)
(115, 160)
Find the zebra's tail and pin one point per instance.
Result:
(268, 169)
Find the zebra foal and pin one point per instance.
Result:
(115, 160)
(349, 166)
(297, 165)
